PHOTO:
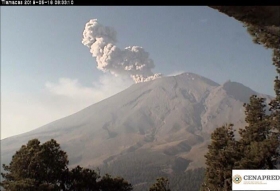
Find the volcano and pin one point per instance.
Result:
(164, 124)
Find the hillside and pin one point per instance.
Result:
(162, 125)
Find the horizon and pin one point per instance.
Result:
(48, 73)
(168, 76)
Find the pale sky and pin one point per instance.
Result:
(48, 73)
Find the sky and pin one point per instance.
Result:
(55, 61)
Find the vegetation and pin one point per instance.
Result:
(44, 167)
(162, 184)
(258, 146)
(141, 169)
(36, 167)
(220, 159)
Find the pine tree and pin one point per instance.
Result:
(275, 103)
(79, 179)
(221, 157)
(36, 167)
(162, 184)
(44, 167)
(258, 139)
(108, 183)
(258, 147)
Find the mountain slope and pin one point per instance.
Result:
(169, 119)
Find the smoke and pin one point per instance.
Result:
(133, 61)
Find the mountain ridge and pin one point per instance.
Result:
(171, 117)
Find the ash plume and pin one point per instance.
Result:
(133, 61)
